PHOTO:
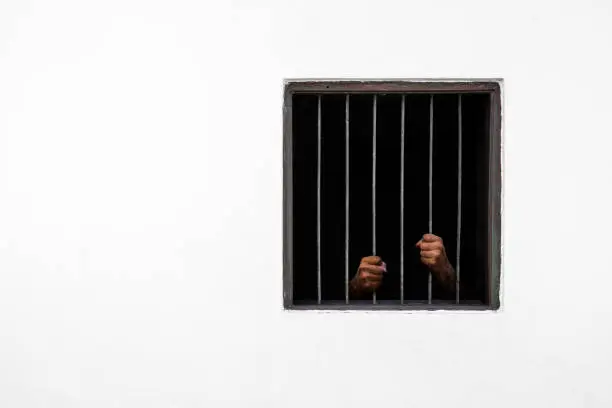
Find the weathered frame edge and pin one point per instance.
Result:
(287, 198)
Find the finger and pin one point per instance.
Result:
(370, 277)
(372, 260)
(431, 238)
(364, 281)
(365, 273)
(430, 246)
(430, 254)
(419, 243)
(378, 270)
(428, 261)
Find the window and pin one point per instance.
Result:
(371, 166)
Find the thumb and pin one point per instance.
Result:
(418, 244)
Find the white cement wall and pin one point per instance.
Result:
(141, 181)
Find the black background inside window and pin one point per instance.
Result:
(475, 171)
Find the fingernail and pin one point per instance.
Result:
(384, 265)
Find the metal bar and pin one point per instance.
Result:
(402, 164)
(394, 306)
(459, 165)
(288, 200)
(496, 164)
(399, 86)
(346, 203)
(374, 109)
(319, 200)
(431, 110)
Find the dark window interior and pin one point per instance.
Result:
(475, 176)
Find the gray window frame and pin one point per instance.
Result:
(339, 86)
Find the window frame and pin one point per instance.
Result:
(341, 86)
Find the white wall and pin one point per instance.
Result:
(141, 181)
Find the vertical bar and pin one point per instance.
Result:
(374, 109)
(288, 138)
(346, 203)
(402, 200)
(496, 165)
(319, 200)
(459, 165)
(431, 110)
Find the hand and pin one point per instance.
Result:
(369, 276)
(433, 255)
